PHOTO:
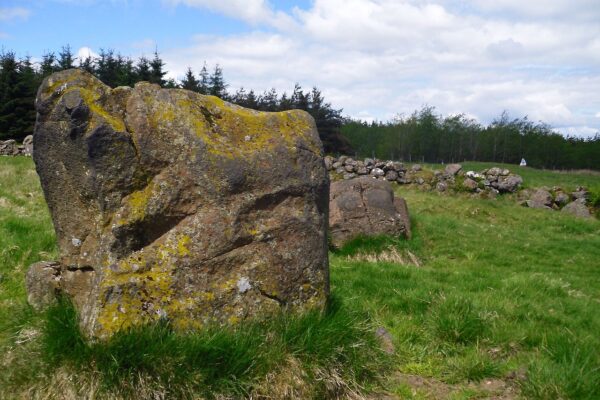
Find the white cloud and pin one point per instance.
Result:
(579, 131)
(13, 13)
(144, 45)
(85, 52)
(378, 58)
(251, 11)
(579, 9)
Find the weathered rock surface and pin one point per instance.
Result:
(470, 184)
(441, 186)
(578, 209)
(561, 198)
(28, 145)
(541, 198)
(365, 206)
(452, 169)
(43, 283)
(172, 205)
(580, 193)
(509, 184)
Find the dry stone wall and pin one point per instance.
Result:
(12, 148)
(489, 182)
(486, 184)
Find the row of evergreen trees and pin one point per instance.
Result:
(328, 119)
(425, 136)
(20, 78)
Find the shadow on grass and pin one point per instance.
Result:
(376, 244)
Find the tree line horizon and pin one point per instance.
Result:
(424, 136)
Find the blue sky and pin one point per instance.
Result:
(374, 58)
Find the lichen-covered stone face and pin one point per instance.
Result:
(170, 204)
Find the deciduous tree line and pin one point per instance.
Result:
(425, 136)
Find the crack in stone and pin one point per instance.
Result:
(281, 302)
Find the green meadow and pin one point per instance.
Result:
(487, 299)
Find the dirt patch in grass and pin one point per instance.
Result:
(418, 387)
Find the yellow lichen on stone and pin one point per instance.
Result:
(125, 309)
(228, 130)
(91, 96)
(136, 204)
(182, 244)
(60, 85)
(92, 101)
(207, 296)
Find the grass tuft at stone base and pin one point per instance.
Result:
(314, 355)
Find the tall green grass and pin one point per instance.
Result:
(220, 361)
(502, 291)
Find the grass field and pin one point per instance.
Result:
(504, 302)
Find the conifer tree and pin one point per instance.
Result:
(269, 101)
(240, 97)
(88, 64)
(126, 75)
(48, 65)
(204, 80)
(299, 99)
(285, 103)
(65, 58)
(9, 77)
(251, 100)
(171, 84)
(107, 68)
(142, 70)
(157, 73)
(18, 85)
(189, 81)
(217, 85)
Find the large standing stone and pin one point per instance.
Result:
(172, 205)
(365, 206)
